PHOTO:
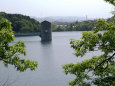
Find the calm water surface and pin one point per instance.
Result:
(50, 56)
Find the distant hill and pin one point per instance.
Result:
(25, 24)
(61, 19)
(22, 23)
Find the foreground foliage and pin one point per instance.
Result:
(99, 70)
(9, 54)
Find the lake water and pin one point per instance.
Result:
(50, 56)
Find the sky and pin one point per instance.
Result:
(45, 8)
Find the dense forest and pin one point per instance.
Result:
(21, 23)
(25, 24)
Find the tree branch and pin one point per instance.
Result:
(106, 60)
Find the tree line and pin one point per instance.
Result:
(75, 26)
(21, 23)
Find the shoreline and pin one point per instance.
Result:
(27, 34)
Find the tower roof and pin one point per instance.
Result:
(45, 22)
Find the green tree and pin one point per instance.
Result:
(9, 54)
(99, 70)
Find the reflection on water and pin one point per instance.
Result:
(50, 56)
(46, 42)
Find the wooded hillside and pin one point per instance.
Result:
(21, 23)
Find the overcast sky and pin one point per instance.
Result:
(44, 8)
